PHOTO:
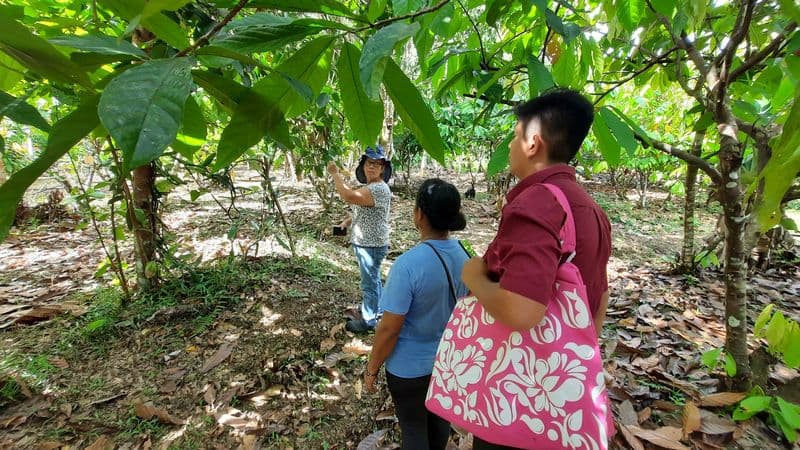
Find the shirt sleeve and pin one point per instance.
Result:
(525, 254)
(397, 293)
(380, 193)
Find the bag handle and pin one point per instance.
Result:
(567, 232)
(446, 271)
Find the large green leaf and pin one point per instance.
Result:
(155, 6)
(364, 115)
(37, 54)
(255, 118)
(566, 70)
(331, 7)
(376, 9)
(10, 72)
(104, 45)
(621, 130)
(630, 13)
(264, 32)
(539, 78)
(227, 92)
(402, 7)
(18, 110)
(212, 50)
(143, 108)
(499, 159)
(192, 133)
(781, 170)
(609, 147)
(378, 50)
(159, 24)
(310, 65)
(413, 111)
(64, 135)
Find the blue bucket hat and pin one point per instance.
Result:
(376, 152)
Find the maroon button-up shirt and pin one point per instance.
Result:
(525, 254)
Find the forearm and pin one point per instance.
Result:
(341, 188)
(382, 347)
(347, 221)
(513, 310)
(600, 316)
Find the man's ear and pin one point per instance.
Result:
(533, 145)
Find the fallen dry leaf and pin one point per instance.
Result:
(223, 352)
(326, 345)
(336, 330)
(645, 414)
(49, 445)
(168, 387)
(627, 415)
(357, 347)
(147, 411)
(633, 441)
(241, 421)
(386, 415)
(710, 423)
(691, 419)
(23, 387)
(372, 441)
(722, 399)
(667, 437)
(210, 394)
(12, 421)
(358, 387)
(102, 443)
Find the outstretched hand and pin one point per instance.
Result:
(332, 169)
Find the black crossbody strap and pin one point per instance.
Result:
(449, 278)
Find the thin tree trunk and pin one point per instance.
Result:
(145, 223)
(145, 227)
(732, 196)
(687, 252)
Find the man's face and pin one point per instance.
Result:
(518, 154)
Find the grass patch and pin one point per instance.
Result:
(32, 371)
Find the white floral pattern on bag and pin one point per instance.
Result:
(457, 369)
(542, 389)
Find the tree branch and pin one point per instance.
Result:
(384, 22)
(739, 32)
(485, 98)
(635, 74)
(484, 62)
(689, 158)
(206, 37)
(682, 41)
(762, 54)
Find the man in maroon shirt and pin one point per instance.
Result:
(514, 280)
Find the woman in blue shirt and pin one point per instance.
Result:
(417, 300)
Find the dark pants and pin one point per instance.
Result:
(421, 428)
(480, 444)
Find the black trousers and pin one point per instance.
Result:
(480, 444)
(421, 428)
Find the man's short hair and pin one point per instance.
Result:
(565, 117)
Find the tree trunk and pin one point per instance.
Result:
(145, 224)
(732, 196)
(687, 252)
(144, 217)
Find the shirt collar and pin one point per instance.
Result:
(554, 171)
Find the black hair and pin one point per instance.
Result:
(565, 117)
(440, 201)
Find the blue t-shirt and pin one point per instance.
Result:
(417, 288)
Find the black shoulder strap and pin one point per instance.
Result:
(449, 278)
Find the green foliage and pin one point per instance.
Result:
(781, 333)
(143, 107)
(364, 115)
(377, 53)
(65, 133)
(18, 110)
(786, 415)
(412, 109)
